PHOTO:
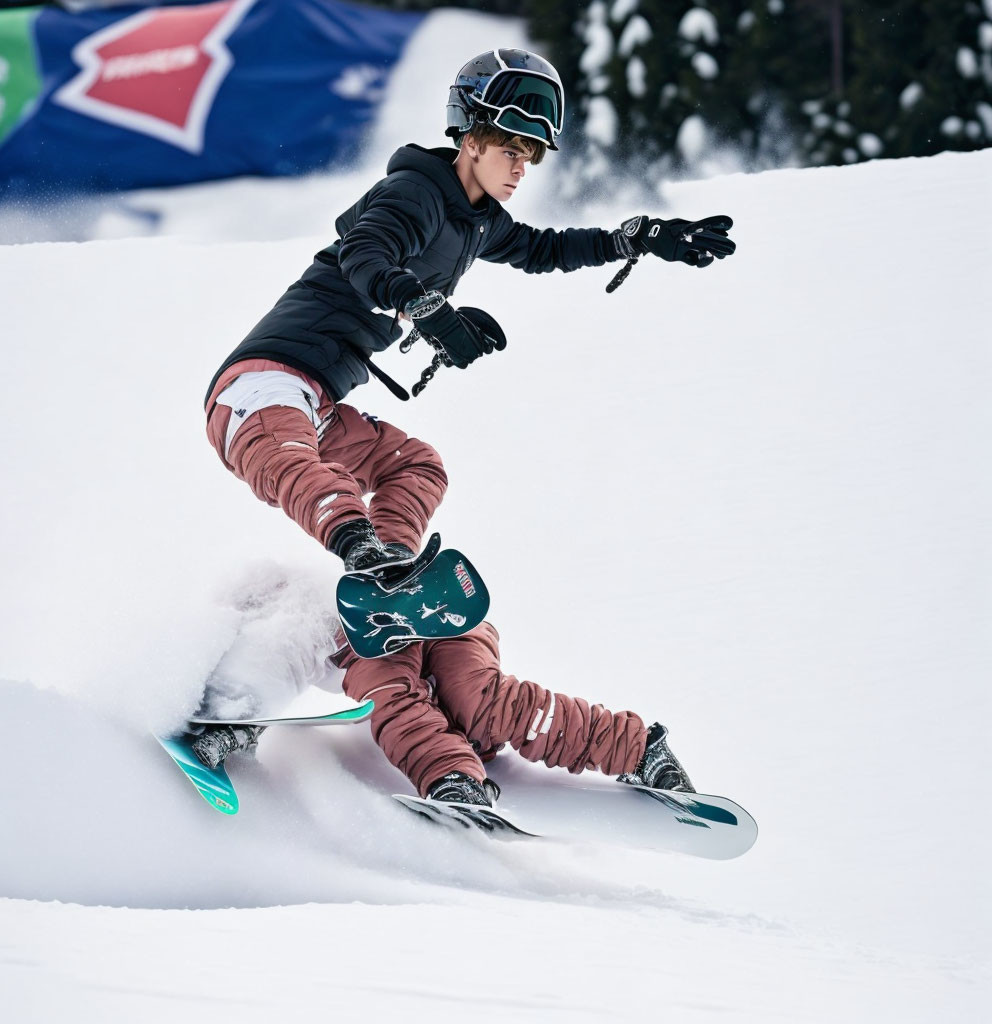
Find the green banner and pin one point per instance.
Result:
(19, 79)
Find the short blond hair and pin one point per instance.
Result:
(485, 134)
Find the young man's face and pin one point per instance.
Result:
(498, 170)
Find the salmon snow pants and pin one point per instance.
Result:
(273, 428)
(446, 705)
(440, 706)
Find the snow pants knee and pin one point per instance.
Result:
(446, 705)
(296, 450)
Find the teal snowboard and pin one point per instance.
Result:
(445, 598)
(355, 714)
(214, 784)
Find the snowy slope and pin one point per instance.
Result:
(784, 459)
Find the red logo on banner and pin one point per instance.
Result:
(156, 72)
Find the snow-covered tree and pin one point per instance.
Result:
(918, 81)
(674, 86)
(661, 87)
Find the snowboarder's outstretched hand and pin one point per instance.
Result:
(697, 243)
(464, 334)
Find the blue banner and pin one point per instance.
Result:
(138, 96)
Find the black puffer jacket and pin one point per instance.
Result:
(414, 230)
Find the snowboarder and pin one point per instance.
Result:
(445, 707)
(275, 408)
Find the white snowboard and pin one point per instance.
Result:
(594, 808)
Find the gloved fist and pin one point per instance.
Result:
(697, 243)
(492, 333)
(464, 334)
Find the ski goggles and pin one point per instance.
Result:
(524, 103)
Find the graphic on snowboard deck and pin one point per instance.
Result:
(603, 810)
(347, 716)
(446, 598)
(213, 784)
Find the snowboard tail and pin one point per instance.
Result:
(213, 784)
(728, 831)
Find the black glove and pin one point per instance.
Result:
(693, 242)
(464, 334)
(357, 545)
(491, 331)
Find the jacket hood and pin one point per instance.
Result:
(438, 165)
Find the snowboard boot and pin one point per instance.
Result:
(214, 744)
(457, 787)
(659, 767)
